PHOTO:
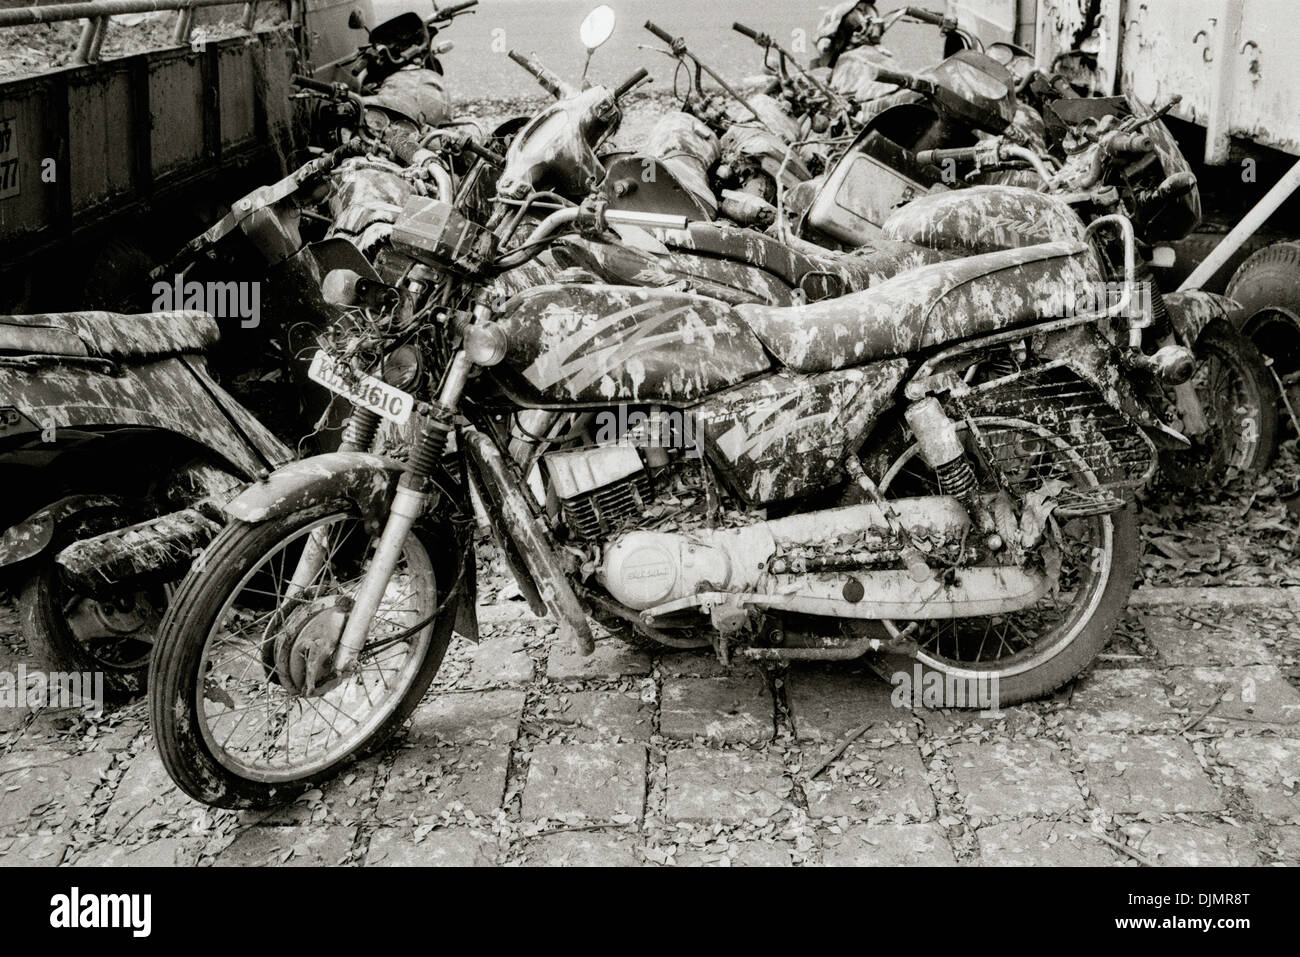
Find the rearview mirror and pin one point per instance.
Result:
(355, 22)
(597, 27)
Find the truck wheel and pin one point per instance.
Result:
(1267, 285)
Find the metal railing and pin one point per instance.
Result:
(97, 13)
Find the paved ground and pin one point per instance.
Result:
(527, 754)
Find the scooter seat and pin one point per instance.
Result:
(924, 307)
(109, 335)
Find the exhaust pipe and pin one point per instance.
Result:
(150, 552)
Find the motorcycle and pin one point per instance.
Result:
(117, 451)
(856, 487)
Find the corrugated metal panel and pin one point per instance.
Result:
(27, 138)
(238, 95)
(176, 104)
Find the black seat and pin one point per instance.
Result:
(925, 307)
(109, 335)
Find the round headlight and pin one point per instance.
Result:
(485, 343)
(402, 367)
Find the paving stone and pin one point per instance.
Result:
(1288, 844)
(1131, 774)
(465, 717)
(44, 850)
(738, 854)
(1254, 698)
(144, 797)
(425, 781)
(611, 659)
(826, 705)
(440, 847)
(1179, 644)
(595, 781)
(601, 715)
(46, 787)
(498, 661)
(1226, 597)
(727, 786)
(1129, 699)
(1041, 844)
(288, 847)
(1268, 770)
(887, 845)
(1182, 844)
(725, 710)
(1013, 779)
(346, 799)
(157, 852)
(704, 663)
(582, 849)
(870, 782)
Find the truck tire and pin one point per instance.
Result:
(1267, 285)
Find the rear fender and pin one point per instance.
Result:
(1190, 312)
(34, 536)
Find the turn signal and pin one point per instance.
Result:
(485, 343)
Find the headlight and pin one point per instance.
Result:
(485, 343)
(402, 367)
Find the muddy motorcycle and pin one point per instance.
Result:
(117, 451)
(821, 482)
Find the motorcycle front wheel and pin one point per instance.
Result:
(237, 722)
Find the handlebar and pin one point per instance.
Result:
(659, 32)
(905, 80)
(549, 81)
(316, 86)
(925, 16)
(446, 13)
(1115, 143)
(747, 32)
(627, 85)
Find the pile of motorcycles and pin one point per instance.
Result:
(868, 363)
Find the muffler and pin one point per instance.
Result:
(151, 552)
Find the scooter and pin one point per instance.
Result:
(117, 452)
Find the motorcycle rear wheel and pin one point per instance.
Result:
(1107, 551)
(210, 674)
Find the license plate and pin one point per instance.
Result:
(360, 389)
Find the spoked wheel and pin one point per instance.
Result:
(246, 706)
(1240, 408)
(1035, 650)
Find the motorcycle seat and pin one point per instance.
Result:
(925, 307)
(855, 270)
(109, 335)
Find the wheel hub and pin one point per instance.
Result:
(305, 648)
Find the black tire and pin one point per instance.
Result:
(1245, 438)
(178, 655)
(43, 603)
(1267, 285)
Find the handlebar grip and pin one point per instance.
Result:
(483, 153)
(308, 83)
(647, 220)
(659, 31)
(630, 82)
(454, 9)
(746, 31)
(524, 62)
(891, 76)
(1129, 143)
(925, 16)
(926, 157)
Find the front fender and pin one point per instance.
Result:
(369, 482)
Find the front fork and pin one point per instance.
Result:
(409, 503)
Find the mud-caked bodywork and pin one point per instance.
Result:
(984, 219)
(783, 436)
(595, 344)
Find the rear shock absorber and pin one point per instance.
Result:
(942, 450)
(1160, 327)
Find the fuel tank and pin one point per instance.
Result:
(984, 219)
(600, 344)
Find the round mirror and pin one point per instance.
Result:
(598, 27)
